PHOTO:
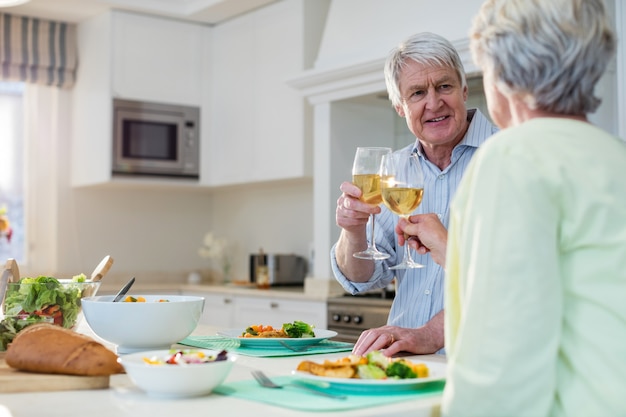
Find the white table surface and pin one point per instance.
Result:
(124, 399)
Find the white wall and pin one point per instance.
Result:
(365, 30)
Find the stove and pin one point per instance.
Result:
(349, 315)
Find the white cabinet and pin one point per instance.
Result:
(226, 310)
(276, 311)
(157, 59)
(219, 310)
(258, 124)
(134, 57)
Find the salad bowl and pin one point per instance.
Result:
(178, 373)
(142, 322)
(48, 298)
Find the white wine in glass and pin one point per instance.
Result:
(402, 185)
(366, 176)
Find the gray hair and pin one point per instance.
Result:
(424, 48)
(550, 54)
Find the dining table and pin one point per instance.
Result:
(239, 394)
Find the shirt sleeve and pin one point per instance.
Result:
(503, 295)
(355, 287)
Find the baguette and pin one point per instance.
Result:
(46, 348)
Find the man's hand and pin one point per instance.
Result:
(352, 215)
(392, 339)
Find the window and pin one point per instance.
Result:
(12, 184)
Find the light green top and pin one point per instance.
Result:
(535, 293)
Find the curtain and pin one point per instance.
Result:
(37, 51)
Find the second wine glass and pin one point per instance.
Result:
(366, 176)
(402, 185)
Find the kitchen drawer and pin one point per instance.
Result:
(218, 309)
(276, 311)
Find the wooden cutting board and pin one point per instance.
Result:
(12, 380)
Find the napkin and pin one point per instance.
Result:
(297, 399)
(232, 345)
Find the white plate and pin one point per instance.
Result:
(370, 386)
(274, 342)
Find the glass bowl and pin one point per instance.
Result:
(59, 299)
(11, 325)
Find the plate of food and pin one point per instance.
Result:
(295, 334)
(372, 373)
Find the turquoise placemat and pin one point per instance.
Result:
(219, 343)
(297, 399)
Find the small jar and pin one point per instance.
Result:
(262, 272)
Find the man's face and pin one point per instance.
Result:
(433, 103)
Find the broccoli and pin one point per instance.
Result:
(250, 330)
(400, 370)
(298, 329)
(370, 371)
(376, 357)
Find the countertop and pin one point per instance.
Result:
(124, 399)
(302, 292)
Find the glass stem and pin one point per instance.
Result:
(373, 241)
(407, 252)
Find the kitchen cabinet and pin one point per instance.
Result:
(276, 311)
(130, 56)
(156, 59)
(231, 310)
(260, 128)
(219, 309)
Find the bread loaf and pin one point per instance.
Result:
(46, 348)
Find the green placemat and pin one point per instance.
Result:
(219, 342)
(297, 399)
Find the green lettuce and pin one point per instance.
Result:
(10, 326)
(40, 295)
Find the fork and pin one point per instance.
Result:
(264, 381)
(303, 348)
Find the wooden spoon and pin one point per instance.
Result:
(11, 265)
(102, 268)
(10, 273)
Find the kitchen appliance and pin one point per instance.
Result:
(156, 139)
(282, 269)
(350, 315)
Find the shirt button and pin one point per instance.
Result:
(427, 292)
(441, 176)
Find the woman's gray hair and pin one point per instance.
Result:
(550, 54)
(425, 48)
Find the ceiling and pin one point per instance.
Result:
(211, 12)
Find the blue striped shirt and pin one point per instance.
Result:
(419, 292)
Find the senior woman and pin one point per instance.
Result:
(536, 259)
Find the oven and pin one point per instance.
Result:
(349, 315)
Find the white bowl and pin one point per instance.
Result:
(148, 325)
(176, 381)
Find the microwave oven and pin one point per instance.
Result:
(155, 139)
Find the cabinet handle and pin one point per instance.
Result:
(273, 305)
(227, 300)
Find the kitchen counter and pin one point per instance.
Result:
(306, 292)
(124, 399)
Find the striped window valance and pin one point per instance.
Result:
(37, 51)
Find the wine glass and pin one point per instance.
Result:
(366, 176)
(402, 185)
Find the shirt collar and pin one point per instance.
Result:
(479, 129)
